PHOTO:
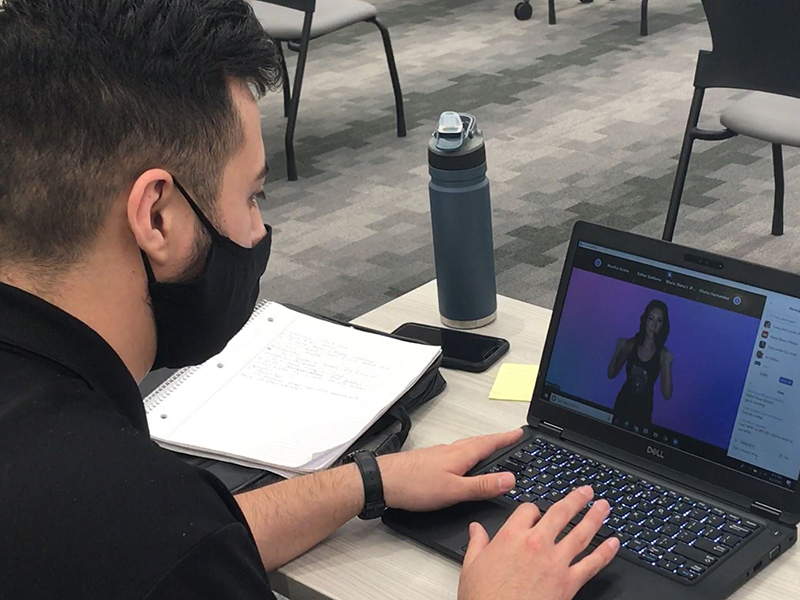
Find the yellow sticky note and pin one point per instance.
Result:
(514, 382)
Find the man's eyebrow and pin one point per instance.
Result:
(262, 173)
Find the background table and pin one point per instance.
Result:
(368, 561)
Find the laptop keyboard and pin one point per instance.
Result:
(676, 535)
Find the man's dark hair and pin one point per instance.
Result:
(95, 92)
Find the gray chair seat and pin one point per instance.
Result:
(286, 24)
(769, 117)
(304, 21)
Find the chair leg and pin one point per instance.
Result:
(287, 94)
(551, 12)
(643, 25)
(291, 163)
(777, 215)
(683, 165)
(398, 93)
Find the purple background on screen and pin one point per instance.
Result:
(712, 349)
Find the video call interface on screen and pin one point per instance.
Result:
(704, 364)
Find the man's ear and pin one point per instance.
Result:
(159, 218)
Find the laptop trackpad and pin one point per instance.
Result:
(492, 517)
(448, 529)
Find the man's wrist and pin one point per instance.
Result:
(388, 467)
(353, 488)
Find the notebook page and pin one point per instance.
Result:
(315, 387)
(182, 402)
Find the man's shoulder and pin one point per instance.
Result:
(82, 450)
(91, 496)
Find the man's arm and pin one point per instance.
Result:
(290, 517)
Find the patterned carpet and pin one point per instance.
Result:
(583, 120)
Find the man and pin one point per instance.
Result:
(130, 162)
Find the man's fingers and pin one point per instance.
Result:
(485, 487)
(478, 540)
(590, 566)
(581, 535)
(562, 512)
(525, 516)
(479, 447)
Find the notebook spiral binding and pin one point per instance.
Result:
(162, 392)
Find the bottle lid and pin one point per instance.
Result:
(457, 143)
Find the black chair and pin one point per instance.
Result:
(756, 47)
(297, 22)
(523, 12)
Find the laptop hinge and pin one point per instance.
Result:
(553, 428)
(765, 510)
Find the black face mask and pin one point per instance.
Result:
(196, 320)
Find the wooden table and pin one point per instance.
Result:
(368, 561)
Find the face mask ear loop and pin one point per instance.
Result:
(203, 219)
(147, 268)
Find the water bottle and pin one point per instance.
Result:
(461, 219)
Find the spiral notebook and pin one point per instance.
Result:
(290, 393)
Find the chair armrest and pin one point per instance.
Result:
(301, 5)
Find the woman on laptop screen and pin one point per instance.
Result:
(645, 358)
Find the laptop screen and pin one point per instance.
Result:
(704, 364)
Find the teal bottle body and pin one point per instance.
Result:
(463, 249)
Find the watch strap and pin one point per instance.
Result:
(374, 505)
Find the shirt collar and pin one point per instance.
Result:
(34, 325)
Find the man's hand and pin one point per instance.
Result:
(524, 562)
(289, 517)
(432, 478)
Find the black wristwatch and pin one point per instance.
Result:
(374, 506)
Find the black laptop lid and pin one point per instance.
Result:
(685, 359)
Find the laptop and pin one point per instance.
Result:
(670, 383)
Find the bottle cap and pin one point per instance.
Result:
(457, 143)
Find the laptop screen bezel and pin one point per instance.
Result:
(631, 443)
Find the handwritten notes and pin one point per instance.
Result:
(290, 393)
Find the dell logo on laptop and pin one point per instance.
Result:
(655, 452)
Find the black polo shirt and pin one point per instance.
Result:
(91, 507)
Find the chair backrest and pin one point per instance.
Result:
(756, 46)
(303, 5)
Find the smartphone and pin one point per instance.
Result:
(461, 350)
